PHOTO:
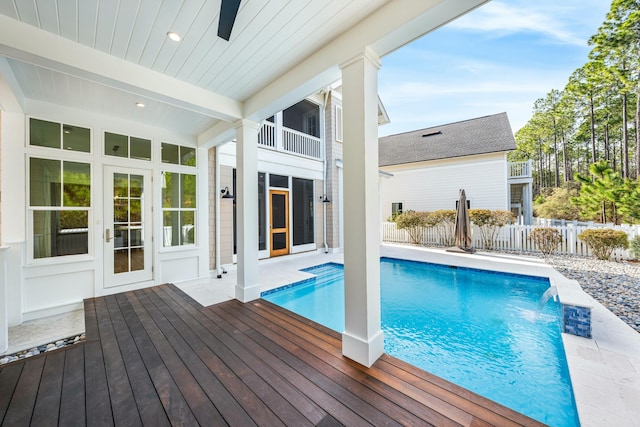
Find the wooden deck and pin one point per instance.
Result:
(156, 357)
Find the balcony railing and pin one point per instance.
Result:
(293, 141)
(301, 143)
(267, 137)
(520, 169)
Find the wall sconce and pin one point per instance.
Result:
(225, 193)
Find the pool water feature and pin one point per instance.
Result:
(481, 330)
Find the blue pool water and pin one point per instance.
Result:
(481, 330)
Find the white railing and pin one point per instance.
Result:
(302, 144)
(293, 141)
(515, 237)
(267, 136)
(520, 169)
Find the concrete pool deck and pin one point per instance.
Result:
(605, 370)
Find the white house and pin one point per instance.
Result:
(429, 166)
(112, 115)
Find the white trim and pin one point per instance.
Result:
(339, 123)
(303, 248)
(52, 311)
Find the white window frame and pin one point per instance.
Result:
(31, 259)
(180, 170)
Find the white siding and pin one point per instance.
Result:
(429, 186)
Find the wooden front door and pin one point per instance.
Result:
(279, 222)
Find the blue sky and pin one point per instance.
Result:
(500, 57)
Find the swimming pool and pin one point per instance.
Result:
(481, 330)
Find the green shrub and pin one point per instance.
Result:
(489, 222)
(393, 216)
(603, 241)
(634, 246)
(413, 222)
(444, 220)
(557, 204)
(546, 239)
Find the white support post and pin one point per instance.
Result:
(4, 316)
(362, 339)
(278, 132)
(247, 287)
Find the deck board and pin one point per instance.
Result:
(47, 406)
(156, 357)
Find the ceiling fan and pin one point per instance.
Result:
(228, 12)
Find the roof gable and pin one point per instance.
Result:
(488, 134)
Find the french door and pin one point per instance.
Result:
(127, 226)
(279, 208)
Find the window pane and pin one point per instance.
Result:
(121, 261)
(170, 190)
(188, 227)
(44, 134)
(121, 185)
(116, 145)
(77, 184)
(121, 236)
(137, 239)
(187, 156)
(137, 259)
(59, 233)
(188, 183)
(171, 227)
(135, 210)
(137, 185)
(44, 182)
(279, 181)
(140, 149)
(120, 210)
(170, 153)
(76, 138)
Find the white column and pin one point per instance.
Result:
(4, 317)
(247, 287)
(362, 339)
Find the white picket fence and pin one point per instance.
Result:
(515, 237)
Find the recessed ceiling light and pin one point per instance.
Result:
(174, 36)
(140, 104)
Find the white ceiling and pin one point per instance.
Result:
(136, 60)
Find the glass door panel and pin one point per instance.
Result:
(127, 254)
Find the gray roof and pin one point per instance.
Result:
(488, 134)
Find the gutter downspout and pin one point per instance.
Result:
(327, 93)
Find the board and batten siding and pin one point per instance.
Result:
(433, 185)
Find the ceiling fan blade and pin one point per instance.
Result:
(228, 12)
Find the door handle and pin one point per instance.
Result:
(107, 236)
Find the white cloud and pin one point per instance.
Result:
(507, 18)
(500, 57)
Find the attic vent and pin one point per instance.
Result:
(431, 134)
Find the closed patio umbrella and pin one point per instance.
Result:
(463, 224)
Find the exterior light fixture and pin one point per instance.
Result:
(174, 36)
(226, 194)
(140, 104)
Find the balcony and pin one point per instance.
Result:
(520, 170)
(291, 141)
(294, 130)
